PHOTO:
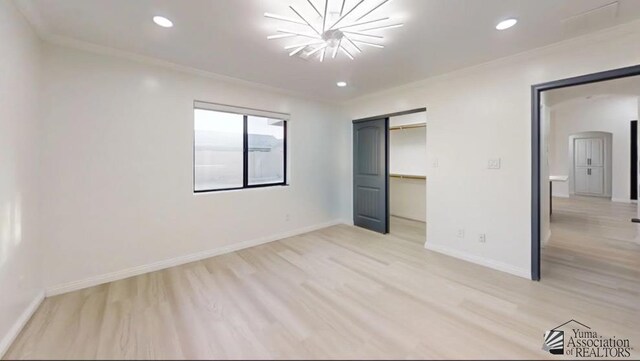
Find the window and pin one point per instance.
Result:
(237, 148)
(266, 150)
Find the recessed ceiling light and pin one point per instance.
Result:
(341, 84)
(162, 21)
(506, 24)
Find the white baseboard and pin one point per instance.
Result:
(563, 195)
(172, 262)
(621, 200)
(14, 331)
(524, 273)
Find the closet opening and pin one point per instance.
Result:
(408, 177)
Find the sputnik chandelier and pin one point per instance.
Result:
(333, 29)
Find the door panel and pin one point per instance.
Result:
(581, 180)
(370, 200)
(581, 152)
(596, 153)
(368, 150)
(596, 181)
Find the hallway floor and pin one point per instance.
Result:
(594, 250)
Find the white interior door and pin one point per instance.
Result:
(589, 165)
(580, 152)
(596, 181)
(596, 152)
(581, 180)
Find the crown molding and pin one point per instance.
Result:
(577, 42)
(148, 60)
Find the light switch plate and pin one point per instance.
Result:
(494, 163)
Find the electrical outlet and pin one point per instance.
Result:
(461, 233)
(435, 163)
(482, 238)
(287, 217)
(494, 163)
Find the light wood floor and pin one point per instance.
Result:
(344, 292)
(408, 229)
(594, 250)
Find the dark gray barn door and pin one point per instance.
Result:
(370, 206)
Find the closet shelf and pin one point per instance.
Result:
(407, 176)
(408, 126)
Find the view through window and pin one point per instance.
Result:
(234, 151)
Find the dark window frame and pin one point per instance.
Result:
(245, 156)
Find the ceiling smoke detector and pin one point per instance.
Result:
(328, 33)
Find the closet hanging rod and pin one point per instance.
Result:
(407, 176)
(408, 126)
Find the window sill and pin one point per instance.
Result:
(229, 190)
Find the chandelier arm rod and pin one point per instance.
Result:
(297, 51)
(314, 7)
(345, 15)
(283, 18)
(342, 7)
(335, 50)
(304, 44)
(353, 44)
(317, 49)
(324, 18)
(305, 20)
(372, 10)
(346, 52)
(363, 34)
(363, 23)
(383, 27)
(368, 43)
(298, 34)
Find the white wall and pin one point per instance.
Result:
(484, 112)
(118, 177)
(408, 198)
(20, 272)
(606, 113)
(407, 147)
(407, 155)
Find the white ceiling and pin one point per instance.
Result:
(629, 86)
(228, 37)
